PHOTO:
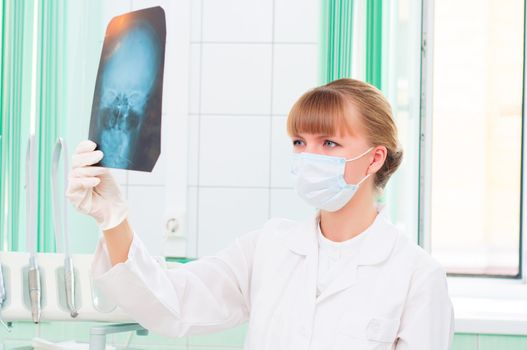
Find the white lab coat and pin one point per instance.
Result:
(393, 297)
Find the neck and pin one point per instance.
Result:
(355, 217)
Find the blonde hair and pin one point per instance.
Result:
(323, 110)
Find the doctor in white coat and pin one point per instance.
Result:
(346, 278)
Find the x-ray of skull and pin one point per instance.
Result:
(126, 112)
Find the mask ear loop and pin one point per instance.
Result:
(357, 157)
(365, 177)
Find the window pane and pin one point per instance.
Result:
(476, 147)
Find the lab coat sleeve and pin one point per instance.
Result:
(206, 295)
(428, 317)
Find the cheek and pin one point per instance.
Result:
(353, 173)
(350, 173)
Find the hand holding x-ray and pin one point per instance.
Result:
(92, 189)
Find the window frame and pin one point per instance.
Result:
(464, 284)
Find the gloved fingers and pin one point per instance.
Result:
(85, 204)
(81, 200)
(85, 146)
(87, 158)
(80, 184)
(88, 171)
(79, 193)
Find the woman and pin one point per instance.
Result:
(346, 278)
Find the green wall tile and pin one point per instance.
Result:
(501, 342)
(15, 344)
(231, 337)
(80, 331)
(465, 342)
(151, 339)
(234, 338)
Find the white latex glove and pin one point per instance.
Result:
(92, 189)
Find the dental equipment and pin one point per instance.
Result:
(31, 234)
(61, 224)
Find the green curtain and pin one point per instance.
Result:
(50, 66)
(32, 66)
(336, 40)
(15, 107)
(50, 93)
(374, 42)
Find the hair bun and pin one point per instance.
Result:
(391, 164)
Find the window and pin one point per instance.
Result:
(474, 84)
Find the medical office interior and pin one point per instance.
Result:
(453, 71)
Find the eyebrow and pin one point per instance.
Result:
(328, 136)
(318, 136)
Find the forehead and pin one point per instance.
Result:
(326, 114)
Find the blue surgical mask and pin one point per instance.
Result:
(319, 180)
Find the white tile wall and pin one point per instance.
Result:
(236, 79)
(192, 205)
(225, 213)
(297, 21)
(195, 74)
(237, 20)
(285, 203)
(234, 151)
(146, 218)
(195, 20)
(295, 71)
(194, 151)
(281, 149)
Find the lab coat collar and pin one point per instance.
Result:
(376, 246)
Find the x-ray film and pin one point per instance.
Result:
(126, 112)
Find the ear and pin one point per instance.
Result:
(378, 159)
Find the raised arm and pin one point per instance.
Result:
(206, 295)
(118, 240)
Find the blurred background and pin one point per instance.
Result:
(453, 72)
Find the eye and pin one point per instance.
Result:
(297, 142)
(330, 144)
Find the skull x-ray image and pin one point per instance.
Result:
(126, 112)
